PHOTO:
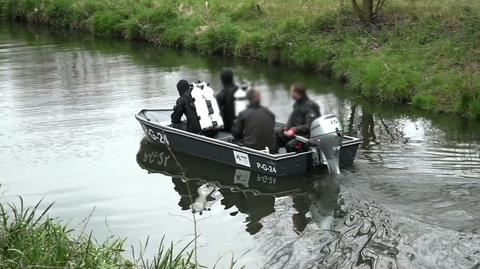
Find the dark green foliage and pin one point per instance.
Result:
(249, 44)
(152, 22)
(16, 9)
(179, 36)
(248, 10)
(107, 22)
(323, 24)
(221, 39)
(469, 104)
(422, 52)
(474, 107)
(60, 12)
(284, 37)
(131, 29)
(30, 239)
(470, 21)
(310, 55)
(426, 102)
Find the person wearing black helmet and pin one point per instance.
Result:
(184, 106)
(226, 99)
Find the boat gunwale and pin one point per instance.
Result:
(275, 157)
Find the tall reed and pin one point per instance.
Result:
(31, 239)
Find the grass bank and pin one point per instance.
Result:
(426, 53)
(30, 239)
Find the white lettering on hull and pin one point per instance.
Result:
(158, 136)
(267, 168)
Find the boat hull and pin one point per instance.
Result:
(235, 155)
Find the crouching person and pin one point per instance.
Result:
(184, 106)
(254, 127)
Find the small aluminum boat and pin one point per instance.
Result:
(333, 146)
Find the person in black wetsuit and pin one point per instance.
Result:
(255, 126)
(226, 99)
(305, 111)
(184, 106)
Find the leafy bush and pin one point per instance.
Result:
(427, 102)
(249, 44)
(61, 12)
(247, 11)
(474, 107)
(17, 9)
(221, 39)
(107, 22)
(311, 56)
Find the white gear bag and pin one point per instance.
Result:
(206, 106)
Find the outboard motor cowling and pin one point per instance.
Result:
(326, 133)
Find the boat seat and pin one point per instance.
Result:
(157, 116)
(224, 136)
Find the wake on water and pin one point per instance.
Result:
(361, 234)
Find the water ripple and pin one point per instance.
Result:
(367, 236)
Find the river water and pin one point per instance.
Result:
(68, 135)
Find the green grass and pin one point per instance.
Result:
(420, 52)
(30, 239)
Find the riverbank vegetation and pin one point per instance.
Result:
(425, 53)
(30, 239)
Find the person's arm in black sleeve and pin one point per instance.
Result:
(310, 116)
(237, 127)
(289, 121)
(178, 111)
(221, 100)
(274, 149)
(272, 116)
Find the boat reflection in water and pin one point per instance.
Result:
(202, 183)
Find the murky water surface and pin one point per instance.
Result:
(68, 134)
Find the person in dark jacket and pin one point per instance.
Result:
(184, 106)
(226, 99)
(305, 111)
(255, 126)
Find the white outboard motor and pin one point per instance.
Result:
(206, 106)
(326, 133)
(240, 102)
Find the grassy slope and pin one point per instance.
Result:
(424, 52)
